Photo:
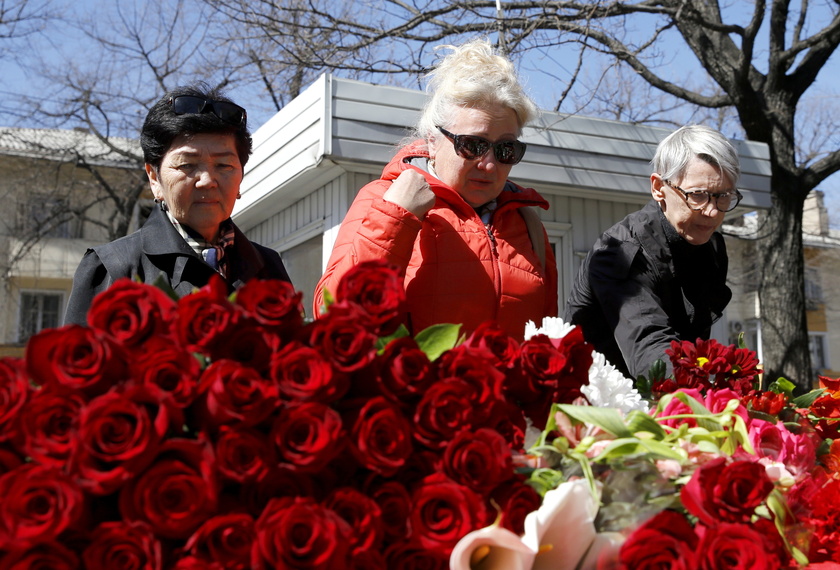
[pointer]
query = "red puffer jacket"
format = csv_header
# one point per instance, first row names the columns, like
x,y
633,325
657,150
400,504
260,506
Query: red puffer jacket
x,y
456,269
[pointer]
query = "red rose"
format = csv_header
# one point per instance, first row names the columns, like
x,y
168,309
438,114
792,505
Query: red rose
x,y
665,541
307,436
132,312
225,539
302,374
342,339
299,533
508,420
9,460
381,437
75,356
121,544
246,342
721,492
45,555
395,505
377,288
49,424
243,455
39,503
278,482
491,337
14,392
272,303
739,547
475,367
407,556
575,373
479,459
405,372
362,514
177,493
206,317
170,367
194,563
541,365
233,392
443,512
119,435
445,409
516,500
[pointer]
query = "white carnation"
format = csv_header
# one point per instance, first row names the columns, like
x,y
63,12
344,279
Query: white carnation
x,y
608,388
552,327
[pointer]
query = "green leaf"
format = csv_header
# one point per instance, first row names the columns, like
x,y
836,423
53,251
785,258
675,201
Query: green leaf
x,y
164,286
782,386
383,341
638,421
437,339
805,400
328,300
608,419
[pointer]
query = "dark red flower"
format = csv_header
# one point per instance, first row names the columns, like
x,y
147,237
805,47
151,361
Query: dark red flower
x,y
272,303
177,493
243,455
665,541
119,435
395,505
226,540
232,392
307,436
444,511
133,312
206,318
50,423
726,492
375,286
121,544
48,555
171,368
38,504
732,546
516,501
409,556
77,357
341,337
14,392
765,401
381,437
362,514
697,363
405,372
303,375
491,337
479,459
300,533
445,409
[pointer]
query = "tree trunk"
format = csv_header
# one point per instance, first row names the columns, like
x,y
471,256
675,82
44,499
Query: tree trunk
x,y
781,292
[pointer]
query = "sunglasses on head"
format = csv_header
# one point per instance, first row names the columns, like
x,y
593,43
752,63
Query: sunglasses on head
x,y
190,105
472,147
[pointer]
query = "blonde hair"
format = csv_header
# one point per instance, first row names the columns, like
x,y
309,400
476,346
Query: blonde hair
x,y
472,76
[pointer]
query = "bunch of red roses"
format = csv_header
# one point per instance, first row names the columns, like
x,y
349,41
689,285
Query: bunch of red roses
x,y
217,432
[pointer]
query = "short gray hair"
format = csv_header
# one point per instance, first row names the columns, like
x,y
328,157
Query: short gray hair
x,y
472,76
695,141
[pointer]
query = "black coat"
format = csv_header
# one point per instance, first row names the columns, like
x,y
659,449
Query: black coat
x,y
639,288
158,250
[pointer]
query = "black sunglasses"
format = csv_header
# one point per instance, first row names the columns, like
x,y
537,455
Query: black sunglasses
x,y
190,105
472,147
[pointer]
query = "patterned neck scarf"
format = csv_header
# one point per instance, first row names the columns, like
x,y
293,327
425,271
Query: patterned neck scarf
x,y
212,253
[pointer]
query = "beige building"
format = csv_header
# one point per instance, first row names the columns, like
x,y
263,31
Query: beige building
x,y
822,292
62,192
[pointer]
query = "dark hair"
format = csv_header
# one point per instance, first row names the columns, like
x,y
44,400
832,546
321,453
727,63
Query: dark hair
x,y
162,125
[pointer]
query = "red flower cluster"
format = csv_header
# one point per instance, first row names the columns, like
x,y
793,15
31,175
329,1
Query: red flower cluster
x,y
723,497
706,364
216,433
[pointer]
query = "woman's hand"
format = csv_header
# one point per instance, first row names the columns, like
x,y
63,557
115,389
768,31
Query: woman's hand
x,y
411,191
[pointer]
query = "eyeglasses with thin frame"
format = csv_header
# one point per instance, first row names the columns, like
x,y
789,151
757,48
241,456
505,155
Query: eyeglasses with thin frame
x,y
472,147
228,112
697,199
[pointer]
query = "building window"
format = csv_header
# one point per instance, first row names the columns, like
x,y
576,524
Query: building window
x,y
45,216
38,311
819,351
813,289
